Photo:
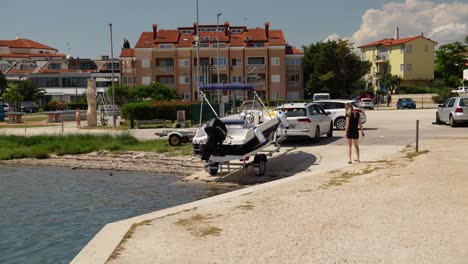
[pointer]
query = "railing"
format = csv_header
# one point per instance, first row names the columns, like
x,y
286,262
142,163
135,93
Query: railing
x,y
256,67
293,84
381,57
127,70
293,67
219,67
165,68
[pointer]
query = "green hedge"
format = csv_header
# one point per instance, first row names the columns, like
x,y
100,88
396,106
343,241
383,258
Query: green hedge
x,y
74,106
418,90
442,96
166,110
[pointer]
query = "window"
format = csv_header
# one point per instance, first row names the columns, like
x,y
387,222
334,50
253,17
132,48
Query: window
x,y
145,63
252,78
409,67
186,96
275,61
85,66
402,49
129,80
166,46
219,61
313,110
114,65
145,80
236,62
256,60
204,45
221,45
293,61
184,79
402,67
275,78
74,82
257,44
237,79
55,66
409,49
183,63
236,30
451,103
294,112
296,77
275,95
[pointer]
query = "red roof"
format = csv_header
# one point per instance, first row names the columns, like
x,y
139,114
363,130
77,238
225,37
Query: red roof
x,y
31,55
24,43
390,42
290,50
127,53
275,37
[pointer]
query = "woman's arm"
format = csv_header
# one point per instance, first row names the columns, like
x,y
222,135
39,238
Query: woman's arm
x,y
347,125
360,126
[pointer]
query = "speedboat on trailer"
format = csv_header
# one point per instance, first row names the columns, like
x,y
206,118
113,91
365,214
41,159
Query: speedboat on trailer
x,y
240,134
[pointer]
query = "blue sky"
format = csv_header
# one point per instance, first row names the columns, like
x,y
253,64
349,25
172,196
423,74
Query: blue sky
x,y
84,23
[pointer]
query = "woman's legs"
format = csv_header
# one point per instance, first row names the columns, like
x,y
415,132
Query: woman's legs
x,y
350,145
356,146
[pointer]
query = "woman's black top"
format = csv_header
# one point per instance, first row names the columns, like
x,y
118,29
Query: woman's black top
x,y
353,128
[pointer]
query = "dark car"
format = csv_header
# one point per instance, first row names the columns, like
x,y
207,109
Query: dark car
x,y
29,107
406,103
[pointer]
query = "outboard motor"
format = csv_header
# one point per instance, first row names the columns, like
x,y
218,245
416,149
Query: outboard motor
x,y
216,131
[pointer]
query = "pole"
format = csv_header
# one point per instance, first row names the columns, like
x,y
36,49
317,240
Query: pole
x,y
76,94
197,39
217,53
112,81
417,135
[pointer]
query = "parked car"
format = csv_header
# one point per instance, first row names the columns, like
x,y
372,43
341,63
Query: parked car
x,y
29,107
454,110
403,103
461,89
307,120
370,95
366,103
320,96
338,112
6,107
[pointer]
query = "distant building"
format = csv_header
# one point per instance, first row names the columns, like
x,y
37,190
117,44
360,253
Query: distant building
x,y
257,56
63,77
411,58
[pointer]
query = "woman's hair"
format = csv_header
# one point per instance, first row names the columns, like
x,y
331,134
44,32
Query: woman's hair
x,y
349,109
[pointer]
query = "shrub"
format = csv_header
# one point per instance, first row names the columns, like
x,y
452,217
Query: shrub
x,y
54,106
443,95
74,106
166,110
417,90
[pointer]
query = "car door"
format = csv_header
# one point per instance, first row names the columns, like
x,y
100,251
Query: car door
x,y
444,111
315,118
324,119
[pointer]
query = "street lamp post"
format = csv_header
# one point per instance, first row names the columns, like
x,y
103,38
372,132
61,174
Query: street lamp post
x,y
197,41
217,52
112,81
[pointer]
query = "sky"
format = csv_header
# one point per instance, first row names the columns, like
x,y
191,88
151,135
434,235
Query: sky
x,y
83,24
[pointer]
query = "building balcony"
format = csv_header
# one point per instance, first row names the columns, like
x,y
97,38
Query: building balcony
x,y
219,67
381,58
128,70
293,84
256,67
165,69
294,67
260,85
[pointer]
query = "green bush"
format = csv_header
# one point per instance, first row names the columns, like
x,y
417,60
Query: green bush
x,y
418,90
166,110
443,95
54,106
74,106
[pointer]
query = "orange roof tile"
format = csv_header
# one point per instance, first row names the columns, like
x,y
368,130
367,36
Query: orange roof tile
x,y
127,53
390,42
167,36
24,43
145,40
30,55
186,40
290,50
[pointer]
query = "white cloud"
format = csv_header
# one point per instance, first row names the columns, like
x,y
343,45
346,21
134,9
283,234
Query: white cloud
x,y
332,37
444,23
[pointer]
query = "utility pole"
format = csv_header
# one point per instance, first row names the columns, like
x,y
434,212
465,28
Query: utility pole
x,y
197,41
217,53
112,81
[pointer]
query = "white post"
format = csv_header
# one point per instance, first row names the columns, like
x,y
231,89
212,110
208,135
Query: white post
x,y
197,41
112,81
217,53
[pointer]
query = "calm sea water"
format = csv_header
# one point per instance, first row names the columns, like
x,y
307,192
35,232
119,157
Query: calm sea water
x,y
48,214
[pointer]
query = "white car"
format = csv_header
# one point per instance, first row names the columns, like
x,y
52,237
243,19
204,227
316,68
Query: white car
x,y
461,89
454,110
307,120
338,112
366,103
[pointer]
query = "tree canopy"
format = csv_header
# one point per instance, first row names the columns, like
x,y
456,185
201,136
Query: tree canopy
x,y
390,81
30,91
332,67
3,83
156,91
450,62
126,44
13,96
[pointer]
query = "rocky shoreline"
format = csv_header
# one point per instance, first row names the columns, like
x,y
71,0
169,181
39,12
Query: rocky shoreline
x,y
137,161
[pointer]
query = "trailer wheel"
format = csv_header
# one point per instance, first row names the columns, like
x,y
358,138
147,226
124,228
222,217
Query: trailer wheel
x,y
259,164
213,169
174,140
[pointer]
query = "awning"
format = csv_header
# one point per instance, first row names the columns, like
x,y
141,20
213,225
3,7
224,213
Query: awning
x,y
226,86
65,91
106,79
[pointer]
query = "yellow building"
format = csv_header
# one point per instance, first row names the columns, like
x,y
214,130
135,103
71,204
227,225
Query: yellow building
x,y
410,58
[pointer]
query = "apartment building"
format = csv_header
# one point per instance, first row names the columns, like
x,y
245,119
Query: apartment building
x,y
62,77
256,56
411,58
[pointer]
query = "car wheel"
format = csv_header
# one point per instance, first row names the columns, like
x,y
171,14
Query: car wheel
x,y
452,121
438,121
340,123
330,133
174,140
317,135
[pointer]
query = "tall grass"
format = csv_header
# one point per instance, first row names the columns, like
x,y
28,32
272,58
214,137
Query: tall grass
x,y
15,147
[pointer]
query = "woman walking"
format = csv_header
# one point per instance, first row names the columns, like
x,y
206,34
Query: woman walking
x,y
353,124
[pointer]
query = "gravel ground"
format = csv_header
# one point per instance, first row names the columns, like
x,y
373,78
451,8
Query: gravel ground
x,y
400,210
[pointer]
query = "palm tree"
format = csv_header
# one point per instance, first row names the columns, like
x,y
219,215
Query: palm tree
x,y
30,91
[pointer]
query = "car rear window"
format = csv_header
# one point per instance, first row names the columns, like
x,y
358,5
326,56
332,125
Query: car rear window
x,y
367,100
294,111
463,102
